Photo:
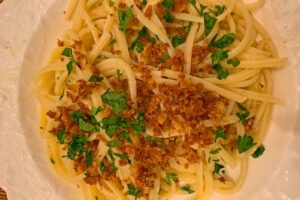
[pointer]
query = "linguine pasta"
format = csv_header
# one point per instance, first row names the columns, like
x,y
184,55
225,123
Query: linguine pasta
x,y
151,99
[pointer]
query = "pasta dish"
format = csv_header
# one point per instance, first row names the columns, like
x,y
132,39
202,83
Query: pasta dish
x,y
153,99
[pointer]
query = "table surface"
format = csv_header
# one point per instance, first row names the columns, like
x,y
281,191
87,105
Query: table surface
x,y
2,193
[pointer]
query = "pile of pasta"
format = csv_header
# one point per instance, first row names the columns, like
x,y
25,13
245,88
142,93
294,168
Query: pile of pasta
x,y
154,99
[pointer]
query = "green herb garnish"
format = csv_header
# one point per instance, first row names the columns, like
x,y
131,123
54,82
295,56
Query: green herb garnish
x,y
245,143
259,151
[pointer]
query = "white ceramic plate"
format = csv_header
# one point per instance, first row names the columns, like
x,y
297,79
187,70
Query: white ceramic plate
x,y
24,168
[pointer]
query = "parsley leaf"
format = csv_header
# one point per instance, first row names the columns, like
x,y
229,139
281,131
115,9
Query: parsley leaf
x,y
124,17
123,156
167,17
168,4
52,161
133,191
222,74
68,53
95,111
119,74
193,2
187,189
88,158
261,85
103,168
125,135
242,116
234,63
114,41
76,146
76,116
187,28
87,127
259,151
154,139
62,95
219,56
95,79
209,159
171,176
87,174
224,41
114,143
165,58
218,167
61,136
137,43
116,101
112,125
220,134
219,10
209,23
138,125
111,3
216,151
177,40
144,2
245,143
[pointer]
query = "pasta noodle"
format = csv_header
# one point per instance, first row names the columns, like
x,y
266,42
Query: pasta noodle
x,y
150,100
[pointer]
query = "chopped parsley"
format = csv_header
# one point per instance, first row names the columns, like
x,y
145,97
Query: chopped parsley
x,y
95,111
225,41
186,29
68,53
62,95
87,127
167,17
233,62
261,85
95,79
144,2
125,135
219,10
137,43
216,151
168,4
76,116
165,58
171,176
76,146
154,139
259,151
242,115
96,198
177,40
103,168
116,101
209,159
200,12
123,156
218,167
138,124
114,41
52,161
245,143
112,125
219,56
119,74
61,136
133,191
124,17
222,74
88,158
209,23
114,143
187,189
87,174
220,134
111,3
